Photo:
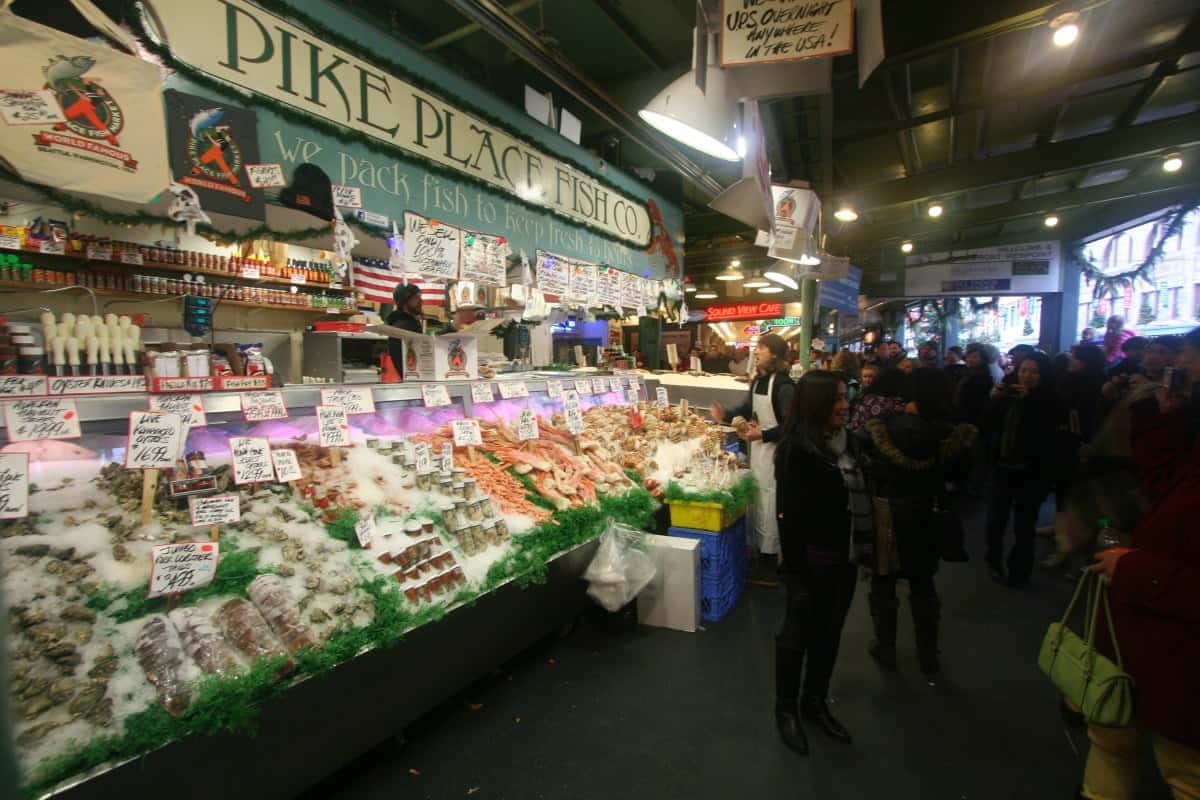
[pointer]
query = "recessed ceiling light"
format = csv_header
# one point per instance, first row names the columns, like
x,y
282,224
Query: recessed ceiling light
x,y
1050,221
907,247
936,210
735,263
846,214
1066,29
1173,162
770,289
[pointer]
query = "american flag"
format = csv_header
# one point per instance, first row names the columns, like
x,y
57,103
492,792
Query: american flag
x,y
376,280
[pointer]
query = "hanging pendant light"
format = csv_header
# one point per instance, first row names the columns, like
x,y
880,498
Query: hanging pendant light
x,y
768,289
706,293
732,272
783,273
756,281
700,119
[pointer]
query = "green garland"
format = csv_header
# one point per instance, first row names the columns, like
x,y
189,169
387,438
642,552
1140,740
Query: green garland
x,y
349,136
1111,284
733,501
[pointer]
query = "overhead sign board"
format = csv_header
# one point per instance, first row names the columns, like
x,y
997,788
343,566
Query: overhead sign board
x,y
767,31
1031,268
743,311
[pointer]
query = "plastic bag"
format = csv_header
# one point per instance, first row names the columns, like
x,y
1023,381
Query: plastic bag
x,y
621,567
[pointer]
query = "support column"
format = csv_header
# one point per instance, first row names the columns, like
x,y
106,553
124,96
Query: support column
x,y
808,318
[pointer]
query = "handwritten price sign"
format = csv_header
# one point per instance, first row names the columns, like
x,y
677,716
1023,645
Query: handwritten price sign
x,y
527,425
482,392
14,485
614,385
423,458
466,433
583,386
447,457
181,567
190,407
22,385
660,397
631,396
262,406
554,388
333,426
573,412
599,386
287,466
435,394
511,389
155,440
216,509
356,399
347,196
364,529
33,420
265,176
251,459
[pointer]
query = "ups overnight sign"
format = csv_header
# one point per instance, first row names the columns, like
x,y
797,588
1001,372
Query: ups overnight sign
x,y
243,45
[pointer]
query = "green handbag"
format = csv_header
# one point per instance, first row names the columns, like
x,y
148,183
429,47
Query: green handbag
x,y
1102,690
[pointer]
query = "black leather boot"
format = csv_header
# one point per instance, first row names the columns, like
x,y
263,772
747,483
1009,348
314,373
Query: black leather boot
x,y
926,611
790,731
883,615
817,712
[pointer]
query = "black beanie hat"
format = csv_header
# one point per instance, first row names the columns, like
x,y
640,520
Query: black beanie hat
x,y
311,191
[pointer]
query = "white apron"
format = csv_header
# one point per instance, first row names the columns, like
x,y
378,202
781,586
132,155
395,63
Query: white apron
x,y
762,464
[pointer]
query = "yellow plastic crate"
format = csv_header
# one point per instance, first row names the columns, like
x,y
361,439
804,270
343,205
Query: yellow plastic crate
x,y
700,516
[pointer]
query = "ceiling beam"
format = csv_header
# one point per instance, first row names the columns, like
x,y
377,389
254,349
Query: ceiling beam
x,y
463,31
1165,69
631,35
526,44
1147,139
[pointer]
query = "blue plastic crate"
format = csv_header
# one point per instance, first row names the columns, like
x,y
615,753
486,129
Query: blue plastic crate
x,y
722,567
719,596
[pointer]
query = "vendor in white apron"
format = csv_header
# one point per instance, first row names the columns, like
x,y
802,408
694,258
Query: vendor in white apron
x,y
765,409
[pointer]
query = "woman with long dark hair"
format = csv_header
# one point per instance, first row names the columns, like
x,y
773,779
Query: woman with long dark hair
x,y
825,528
910,458
1024,417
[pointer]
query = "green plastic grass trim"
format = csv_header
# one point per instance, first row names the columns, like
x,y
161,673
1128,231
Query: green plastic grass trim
x,y
733,501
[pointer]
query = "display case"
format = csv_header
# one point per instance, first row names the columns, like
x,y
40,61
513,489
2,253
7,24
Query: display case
x,y
326,582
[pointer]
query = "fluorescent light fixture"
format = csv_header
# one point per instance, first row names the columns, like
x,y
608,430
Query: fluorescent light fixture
x,y
689,287
1172,162
846,214
706,294
783,273
756,281
1066,35
701,120
741,146
770,289
906,247
731,273
1051,221
936,210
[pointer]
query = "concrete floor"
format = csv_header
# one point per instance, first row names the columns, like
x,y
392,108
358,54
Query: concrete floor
x,y
661,714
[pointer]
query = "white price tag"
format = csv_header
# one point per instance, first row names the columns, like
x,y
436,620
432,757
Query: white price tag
x,y
251,457
14,485
635,384
216,509
482,392
188,406
467,433
614,385
527,425
261,406
355,399
447,457
251,273
573,412
287,466
364,529
10,241
583,386
435,394
599,386
423,458
660,397
155,440
265,176
298,279
347,196
31,420
49,247
554,388
99,252
333,426
511,389
631,396
22,385
131,257
181,567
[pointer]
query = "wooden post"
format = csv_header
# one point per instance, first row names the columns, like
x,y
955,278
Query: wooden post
x,y
149,486
214,534
335,456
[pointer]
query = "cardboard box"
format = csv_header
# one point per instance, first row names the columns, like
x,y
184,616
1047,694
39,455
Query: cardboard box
x,y
672,598
449,357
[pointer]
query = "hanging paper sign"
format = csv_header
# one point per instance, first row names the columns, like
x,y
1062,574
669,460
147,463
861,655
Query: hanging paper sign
x,y
511,389
527,425
14,485
190,408
99,252
287,466
37,107
155,440
631,286
614,385
484,259
482,392
660,397
265,176
261,406
182,567
581,287
251,457
573,412
554,388
631,396
552,272
422,458
599,386
431,248
608,286
583,386
364,530
217,509
347,196
333,427
355,399
31,420
467,433
784,30
447,457
185,208
210,145
435,394
22,385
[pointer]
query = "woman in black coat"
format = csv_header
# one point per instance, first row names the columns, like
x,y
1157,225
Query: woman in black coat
x,y
822,501
1024,418
910,456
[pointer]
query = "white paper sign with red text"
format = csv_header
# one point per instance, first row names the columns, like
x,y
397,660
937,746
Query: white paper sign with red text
x,y
183,566
333,426
287,466
188,406
155,440
251,459
34,420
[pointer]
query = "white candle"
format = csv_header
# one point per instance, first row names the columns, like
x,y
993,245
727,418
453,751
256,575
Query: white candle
x,y
97,321
124,321
93,348
73,352
58,345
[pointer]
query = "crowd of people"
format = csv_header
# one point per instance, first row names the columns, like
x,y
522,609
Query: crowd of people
x,y
872,457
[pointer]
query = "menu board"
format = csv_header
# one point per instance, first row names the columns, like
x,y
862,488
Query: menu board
x,y
608,286
552,273
431,248
484,258
581,287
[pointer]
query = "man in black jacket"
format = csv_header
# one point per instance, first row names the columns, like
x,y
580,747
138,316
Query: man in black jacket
x,y
406,317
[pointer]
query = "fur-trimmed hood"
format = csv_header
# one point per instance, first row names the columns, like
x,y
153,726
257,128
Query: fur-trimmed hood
x,y
960,439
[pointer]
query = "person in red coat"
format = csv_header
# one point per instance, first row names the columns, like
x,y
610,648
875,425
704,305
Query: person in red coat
x,y
1155,598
